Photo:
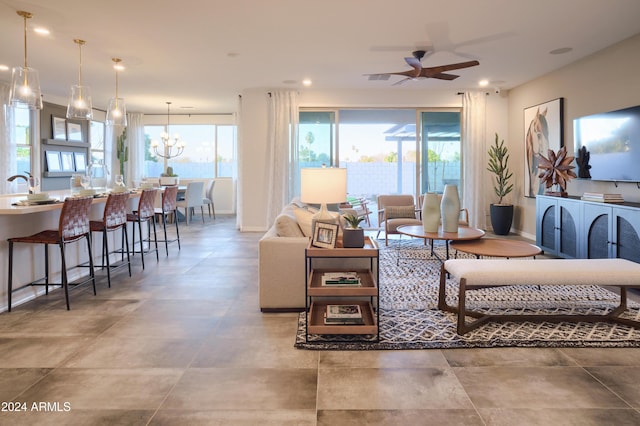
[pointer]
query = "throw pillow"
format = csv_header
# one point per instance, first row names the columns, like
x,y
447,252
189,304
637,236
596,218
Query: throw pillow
x,y
286,226
393,212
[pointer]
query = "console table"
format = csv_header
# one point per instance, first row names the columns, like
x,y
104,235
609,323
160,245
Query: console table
x,y
572,228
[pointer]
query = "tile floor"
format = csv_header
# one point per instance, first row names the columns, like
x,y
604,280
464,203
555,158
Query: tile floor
x,y
184,343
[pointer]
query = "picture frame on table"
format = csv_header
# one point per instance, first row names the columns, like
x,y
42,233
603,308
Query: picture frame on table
x,y
80,161
74,132
53,161
59,128
543,130
66,158
325,235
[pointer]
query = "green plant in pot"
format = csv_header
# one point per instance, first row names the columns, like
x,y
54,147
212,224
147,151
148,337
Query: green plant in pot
x,y
501,213
168,177
353,235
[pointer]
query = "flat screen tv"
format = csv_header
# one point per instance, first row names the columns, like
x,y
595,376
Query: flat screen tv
x,y
611,143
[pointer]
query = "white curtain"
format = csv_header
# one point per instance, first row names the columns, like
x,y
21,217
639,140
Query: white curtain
x,y
282,142
474,157
7,142
134,168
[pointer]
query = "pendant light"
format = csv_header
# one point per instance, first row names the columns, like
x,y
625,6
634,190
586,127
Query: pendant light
x,y
117,111
25,83
80,107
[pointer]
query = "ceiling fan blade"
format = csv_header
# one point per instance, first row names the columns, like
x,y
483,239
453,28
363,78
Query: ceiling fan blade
x,y
398,83
430,71
444,76
410,73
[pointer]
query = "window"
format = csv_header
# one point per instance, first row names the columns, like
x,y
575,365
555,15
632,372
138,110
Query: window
x,y
209,151
22,137
96,138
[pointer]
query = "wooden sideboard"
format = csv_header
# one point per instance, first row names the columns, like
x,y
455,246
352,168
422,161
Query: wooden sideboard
x,y
572,228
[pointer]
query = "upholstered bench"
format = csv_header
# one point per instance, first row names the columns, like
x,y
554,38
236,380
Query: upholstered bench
x,y
478,273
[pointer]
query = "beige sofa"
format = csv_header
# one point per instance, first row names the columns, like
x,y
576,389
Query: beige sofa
x,y
282,259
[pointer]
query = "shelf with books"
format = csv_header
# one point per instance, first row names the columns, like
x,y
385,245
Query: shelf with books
x,y
318,324
342,279
367,286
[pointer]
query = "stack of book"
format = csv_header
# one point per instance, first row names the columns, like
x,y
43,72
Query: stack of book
x,y
341,279
343,315
602,198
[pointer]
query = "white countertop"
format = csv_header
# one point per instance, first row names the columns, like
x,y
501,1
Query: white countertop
x,y
7,201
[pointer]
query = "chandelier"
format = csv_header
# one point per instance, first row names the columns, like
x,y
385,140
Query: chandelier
x,y
171,147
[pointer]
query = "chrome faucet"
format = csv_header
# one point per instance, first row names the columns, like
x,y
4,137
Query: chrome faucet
x,y
14,177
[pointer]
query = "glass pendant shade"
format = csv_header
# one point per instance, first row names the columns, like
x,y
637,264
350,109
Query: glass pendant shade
x,y
25,88
116,113
80,107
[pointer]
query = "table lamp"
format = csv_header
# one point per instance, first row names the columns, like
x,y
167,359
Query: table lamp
x,y
323,185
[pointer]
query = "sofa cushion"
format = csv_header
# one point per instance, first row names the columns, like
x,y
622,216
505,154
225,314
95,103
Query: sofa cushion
x,y
286,226
305,220
392,212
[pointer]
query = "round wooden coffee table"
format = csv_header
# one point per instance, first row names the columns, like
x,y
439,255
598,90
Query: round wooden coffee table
x,y
497,247
464,233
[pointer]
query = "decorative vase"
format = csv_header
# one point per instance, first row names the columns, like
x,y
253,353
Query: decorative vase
x,y
430,212
450,208
353,238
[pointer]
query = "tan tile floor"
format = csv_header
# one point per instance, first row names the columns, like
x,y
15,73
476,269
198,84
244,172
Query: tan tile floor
x,y
184,343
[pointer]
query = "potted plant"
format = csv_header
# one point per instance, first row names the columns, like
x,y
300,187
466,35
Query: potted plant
x,y
501,213
168,177
353,235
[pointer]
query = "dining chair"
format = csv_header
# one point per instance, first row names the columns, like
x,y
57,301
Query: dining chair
x,y
73,226
208,200
145,213
169,207
113,219
192,199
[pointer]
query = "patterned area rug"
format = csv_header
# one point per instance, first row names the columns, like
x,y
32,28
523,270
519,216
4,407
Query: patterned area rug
x,y
410,319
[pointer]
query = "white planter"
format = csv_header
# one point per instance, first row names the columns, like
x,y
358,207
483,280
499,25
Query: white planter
x,y
169,180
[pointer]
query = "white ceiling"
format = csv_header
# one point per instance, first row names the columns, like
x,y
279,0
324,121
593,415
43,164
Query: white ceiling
x,y
204,53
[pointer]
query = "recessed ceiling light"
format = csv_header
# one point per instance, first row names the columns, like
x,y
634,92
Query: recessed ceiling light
x,y
4,68
561,50
306,82
483,83
41,31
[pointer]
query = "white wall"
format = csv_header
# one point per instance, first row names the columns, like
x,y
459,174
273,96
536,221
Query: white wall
x,y
252,135
605,81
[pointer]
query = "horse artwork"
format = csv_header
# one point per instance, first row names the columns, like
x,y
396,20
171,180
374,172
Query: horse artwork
x,y
537,143
543,124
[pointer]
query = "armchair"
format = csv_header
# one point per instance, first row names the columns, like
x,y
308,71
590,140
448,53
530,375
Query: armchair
x,y
395,211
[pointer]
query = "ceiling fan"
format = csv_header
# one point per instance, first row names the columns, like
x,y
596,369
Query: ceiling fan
x,y
419,71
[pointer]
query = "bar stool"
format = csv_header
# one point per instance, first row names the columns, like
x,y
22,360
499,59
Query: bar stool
x,y
114,218
73,226
145,213
169,206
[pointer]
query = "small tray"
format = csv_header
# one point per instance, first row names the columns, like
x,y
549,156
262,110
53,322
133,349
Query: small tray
x,y
36,202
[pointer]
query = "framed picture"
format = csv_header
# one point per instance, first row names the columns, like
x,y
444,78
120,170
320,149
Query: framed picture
x,y
74,132
80,161
543,130
67,161
53,161
59,128
325,235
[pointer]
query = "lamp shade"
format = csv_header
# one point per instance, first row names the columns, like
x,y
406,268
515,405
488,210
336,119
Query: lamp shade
x,y
25,88
116,113
323,185
79,106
